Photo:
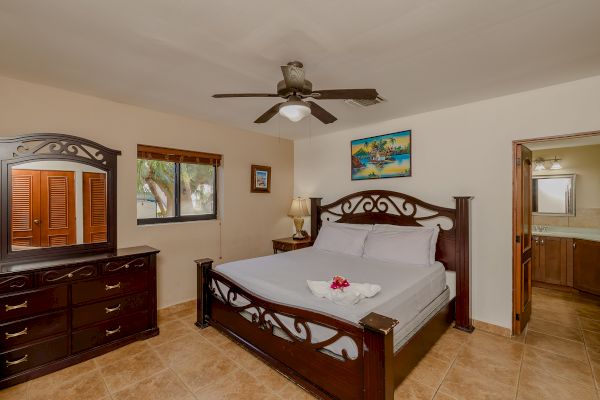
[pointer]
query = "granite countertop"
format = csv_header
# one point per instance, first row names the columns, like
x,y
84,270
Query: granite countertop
x,y
567,232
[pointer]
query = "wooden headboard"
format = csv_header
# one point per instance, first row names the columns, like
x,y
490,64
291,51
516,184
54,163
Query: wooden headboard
x,y
388,207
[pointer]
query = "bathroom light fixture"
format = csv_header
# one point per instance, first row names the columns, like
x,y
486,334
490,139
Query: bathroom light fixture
x,y
540,164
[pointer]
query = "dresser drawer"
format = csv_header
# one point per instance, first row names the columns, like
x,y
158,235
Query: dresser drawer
x,y
31,356
123,265
108,331
27,330
12,283
109,286
65,275
32,302
97,312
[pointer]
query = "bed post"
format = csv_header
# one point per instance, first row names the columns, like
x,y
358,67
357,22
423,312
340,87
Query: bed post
x,y
315,216
204,265
378,356
463,265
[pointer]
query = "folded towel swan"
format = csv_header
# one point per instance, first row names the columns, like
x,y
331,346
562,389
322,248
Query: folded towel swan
x,y
347,297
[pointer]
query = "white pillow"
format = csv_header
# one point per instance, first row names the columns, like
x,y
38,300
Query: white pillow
x,y
341,239
408,246
435,230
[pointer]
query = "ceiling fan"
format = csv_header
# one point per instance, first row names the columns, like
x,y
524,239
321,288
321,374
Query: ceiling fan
x,y
295,88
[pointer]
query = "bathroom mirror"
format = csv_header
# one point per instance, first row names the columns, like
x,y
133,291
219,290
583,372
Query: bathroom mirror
x,y
554,195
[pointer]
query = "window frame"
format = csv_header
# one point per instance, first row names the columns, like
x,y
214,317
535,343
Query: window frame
x,y
178,217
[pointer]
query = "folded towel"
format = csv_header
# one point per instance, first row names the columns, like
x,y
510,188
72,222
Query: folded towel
x,y
347,297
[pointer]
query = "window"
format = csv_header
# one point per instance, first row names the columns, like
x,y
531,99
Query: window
x,y
175,185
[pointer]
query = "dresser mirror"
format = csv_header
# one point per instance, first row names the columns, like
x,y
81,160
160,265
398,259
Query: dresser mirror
x,y
56,203
58,196
554,195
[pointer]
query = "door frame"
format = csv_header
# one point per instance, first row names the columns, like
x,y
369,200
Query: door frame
x,y
515,267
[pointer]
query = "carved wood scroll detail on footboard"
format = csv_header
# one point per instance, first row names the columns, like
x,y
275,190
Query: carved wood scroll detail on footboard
x,y
317,350
287,323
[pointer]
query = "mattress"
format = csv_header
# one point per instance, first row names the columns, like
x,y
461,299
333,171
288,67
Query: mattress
x,y
410,293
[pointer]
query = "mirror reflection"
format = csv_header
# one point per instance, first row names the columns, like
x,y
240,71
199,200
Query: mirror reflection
x,y
554,194
57,203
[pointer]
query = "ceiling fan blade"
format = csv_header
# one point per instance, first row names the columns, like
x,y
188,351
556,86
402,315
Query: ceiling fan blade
x,y
270,113
320,113
293,76
225,95
343,94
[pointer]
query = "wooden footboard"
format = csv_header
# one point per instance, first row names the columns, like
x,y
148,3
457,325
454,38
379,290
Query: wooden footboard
x,y
298,342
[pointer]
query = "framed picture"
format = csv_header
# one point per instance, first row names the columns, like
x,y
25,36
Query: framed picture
x,y
383,156
260,179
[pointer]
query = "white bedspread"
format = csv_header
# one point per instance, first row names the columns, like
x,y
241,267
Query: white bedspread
x,y
405,289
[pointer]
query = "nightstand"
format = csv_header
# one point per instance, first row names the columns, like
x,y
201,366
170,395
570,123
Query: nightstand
x,y
289,244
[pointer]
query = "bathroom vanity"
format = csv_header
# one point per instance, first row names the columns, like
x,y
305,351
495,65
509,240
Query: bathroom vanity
x,y
567,258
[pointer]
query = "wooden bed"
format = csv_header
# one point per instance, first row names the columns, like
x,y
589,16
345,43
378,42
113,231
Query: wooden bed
x,y
377,370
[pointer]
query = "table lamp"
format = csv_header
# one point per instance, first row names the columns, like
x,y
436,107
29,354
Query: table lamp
x,y
298,211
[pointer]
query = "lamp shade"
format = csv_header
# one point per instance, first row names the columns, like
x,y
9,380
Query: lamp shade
x,y
298,208
294,110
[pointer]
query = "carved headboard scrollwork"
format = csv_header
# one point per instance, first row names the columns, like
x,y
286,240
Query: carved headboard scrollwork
x,y
394,208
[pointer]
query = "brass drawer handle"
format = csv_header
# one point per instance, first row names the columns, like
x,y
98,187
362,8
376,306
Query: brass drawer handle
x,y
109,332
19,361
22,305
109,310
126,266
110,287
16,334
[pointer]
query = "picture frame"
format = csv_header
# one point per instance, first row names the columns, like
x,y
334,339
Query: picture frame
x,y
260,179
382,156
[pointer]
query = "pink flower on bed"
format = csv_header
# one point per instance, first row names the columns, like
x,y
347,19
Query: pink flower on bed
x,y
339,282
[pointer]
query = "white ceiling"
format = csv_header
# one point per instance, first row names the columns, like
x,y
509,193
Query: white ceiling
x,y
171,55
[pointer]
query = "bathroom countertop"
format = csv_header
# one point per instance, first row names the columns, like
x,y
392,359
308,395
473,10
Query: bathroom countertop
x,y
567,232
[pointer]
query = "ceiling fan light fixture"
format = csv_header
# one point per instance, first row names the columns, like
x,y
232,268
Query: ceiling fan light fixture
x,y
294,110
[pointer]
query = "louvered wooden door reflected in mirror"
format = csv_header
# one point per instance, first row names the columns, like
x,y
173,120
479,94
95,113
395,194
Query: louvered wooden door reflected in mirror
x,y
94,207
25,206
57,208
43,208
57,203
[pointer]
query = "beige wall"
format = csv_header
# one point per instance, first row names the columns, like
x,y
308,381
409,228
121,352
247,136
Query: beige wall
x,y
585,162
465,150
249,221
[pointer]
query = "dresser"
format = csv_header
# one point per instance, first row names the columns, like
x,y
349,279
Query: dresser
x,y
58,313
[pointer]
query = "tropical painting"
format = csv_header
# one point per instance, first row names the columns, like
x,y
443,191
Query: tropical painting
x,y
384,156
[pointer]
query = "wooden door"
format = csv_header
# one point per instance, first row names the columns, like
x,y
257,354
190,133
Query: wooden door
x,y
57,208
25,208
538,272
586,266
523,242
553,254
94,208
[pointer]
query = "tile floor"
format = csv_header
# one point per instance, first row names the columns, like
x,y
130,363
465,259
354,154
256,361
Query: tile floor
x,y
558,358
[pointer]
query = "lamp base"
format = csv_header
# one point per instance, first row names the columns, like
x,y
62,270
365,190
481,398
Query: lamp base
x,y
298,224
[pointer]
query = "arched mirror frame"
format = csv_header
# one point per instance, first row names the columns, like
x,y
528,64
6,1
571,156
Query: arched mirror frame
x,y
56,146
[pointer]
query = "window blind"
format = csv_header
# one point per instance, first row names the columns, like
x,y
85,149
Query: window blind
x,y
174,155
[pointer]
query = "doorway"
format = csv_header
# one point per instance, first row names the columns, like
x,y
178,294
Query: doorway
x,y
544,260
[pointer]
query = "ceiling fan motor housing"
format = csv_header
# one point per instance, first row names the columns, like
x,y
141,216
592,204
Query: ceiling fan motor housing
x,y
284,91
